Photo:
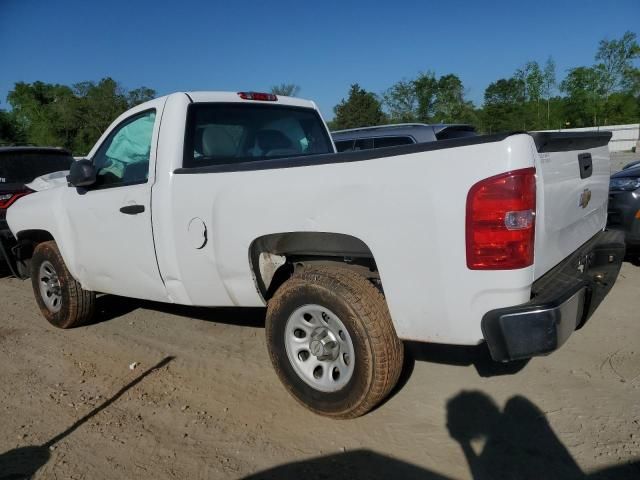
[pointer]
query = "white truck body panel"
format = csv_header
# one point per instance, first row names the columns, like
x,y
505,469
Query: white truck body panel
x,y
563,224
409,209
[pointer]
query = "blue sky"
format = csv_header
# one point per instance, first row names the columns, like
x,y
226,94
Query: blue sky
x,y
323,46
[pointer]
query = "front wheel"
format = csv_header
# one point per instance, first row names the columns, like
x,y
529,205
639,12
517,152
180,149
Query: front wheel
x,y
332,341
60,297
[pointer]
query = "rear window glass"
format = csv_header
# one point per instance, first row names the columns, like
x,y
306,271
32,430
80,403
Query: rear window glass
x,y
455,132
221,133
344,145
364,144
382,142
24,166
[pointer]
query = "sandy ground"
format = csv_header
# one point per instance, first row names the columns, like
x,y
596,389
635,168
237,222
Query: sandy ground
x,y
72,408
620,159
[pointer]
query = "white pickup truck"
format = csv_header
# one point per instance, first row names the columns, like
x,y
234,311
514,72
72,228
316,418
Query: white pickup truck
x,y
223,199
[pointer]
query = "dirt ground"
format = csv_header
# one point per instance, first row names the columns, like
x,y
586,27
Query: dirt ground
x,y
153,391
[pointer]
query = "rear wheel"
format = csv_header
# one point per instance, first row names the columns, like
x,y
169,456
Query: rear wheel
x,y
60,297
332,341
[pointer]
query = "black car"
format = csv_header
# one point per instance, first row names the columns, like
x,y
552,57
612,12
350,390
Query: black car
x,y
624,205
19,166
381,136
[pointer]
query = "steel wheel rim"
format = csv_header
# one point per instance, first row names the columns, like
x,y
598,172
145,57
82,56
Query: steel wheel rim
x,y
50,289
319,348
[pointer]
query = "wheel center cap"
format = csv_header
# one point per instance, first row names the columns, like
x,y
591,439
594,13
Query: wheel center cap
x,y
323,344
316,347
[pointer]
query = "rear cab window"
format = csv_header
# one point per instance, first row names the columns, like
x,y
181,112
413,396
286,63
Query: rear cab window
x,y
224,133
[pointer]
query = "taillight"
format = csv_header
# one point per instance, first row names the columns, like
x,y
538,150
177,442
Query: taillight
x,y
7,199
262,97
501,214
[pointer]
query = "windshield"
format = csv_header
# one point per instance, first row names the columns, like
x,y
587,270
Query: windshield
x,y
24,166
219,133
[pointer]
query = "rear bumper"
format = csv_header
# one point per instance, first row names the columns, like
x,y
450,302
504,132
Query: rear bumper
x,y
562,301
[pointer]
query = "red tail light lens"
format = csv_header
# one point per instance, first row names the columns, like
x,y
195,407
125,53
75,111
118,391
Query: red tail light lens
x,y
262,97
7,199
500,227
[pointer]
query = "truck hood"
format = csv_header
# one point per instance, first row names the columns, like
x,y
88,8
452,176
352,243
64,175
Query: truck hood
x,y
50,180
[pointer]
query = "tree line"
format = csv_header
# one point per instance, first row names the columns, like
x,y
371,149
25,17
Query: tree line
x,y
72,117
607,92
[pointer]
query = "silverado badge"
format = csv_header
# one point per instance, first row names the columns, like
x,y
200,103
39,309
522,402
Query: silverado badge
x,y
585,198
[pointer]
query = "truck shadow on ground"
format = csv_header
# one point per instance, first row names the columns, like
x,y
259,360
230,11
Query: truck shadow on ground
x,y
24,462
110,307
516,442
457,355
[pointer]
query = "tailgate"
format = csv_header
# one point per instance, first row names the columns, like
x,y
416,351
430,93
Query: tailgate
x,y
573,190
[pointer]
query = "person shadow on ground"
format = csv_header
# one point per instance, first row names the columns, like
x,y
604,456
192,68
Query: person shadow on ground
x,y
515,443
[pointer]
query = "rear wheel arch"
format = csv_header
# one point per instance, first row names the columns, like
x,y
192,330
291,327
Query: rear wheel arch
x,y
275,257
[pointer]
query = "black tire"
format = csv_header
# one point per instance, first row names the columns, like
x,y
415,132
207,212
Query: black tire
x,y
76,305
363,311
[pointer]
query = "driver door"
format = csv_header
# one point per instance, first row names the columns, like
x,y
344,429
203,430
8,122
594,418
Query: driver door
x,y
111,220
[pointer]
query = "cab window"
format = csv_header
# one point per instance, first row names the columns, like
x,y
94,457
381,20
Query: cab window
x,y
123,159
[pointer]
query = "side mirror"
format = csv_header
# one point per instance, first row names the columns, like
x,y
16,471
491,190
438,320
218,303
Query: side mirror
x,y
82,174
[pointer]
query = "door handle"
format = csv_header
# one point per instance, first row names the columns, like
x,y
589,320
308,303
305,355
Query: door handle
x,y
585,161
132,209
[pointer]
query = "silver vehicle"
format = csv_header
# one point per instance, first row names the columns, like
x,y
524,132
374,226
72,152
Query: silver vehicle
x,y
367,138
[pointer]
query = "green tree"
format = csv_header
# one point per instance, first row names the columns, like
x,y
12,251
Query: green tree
x,y
503,102
401,102
140,95
585,90
71,117
286,89
532,78
548,85
360,109
615,67
450,105
98,105
10,132
44,112
429,99
426,86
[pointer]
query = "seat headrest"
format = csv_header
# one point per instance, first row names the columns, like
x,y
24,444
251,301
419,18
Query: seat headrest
x,y
272,140
217,142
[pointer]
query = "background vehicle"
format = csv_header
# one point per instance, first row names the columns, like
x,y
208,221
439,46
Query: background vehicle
x,y
624,205
19,166
401,134
631,164
222,199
